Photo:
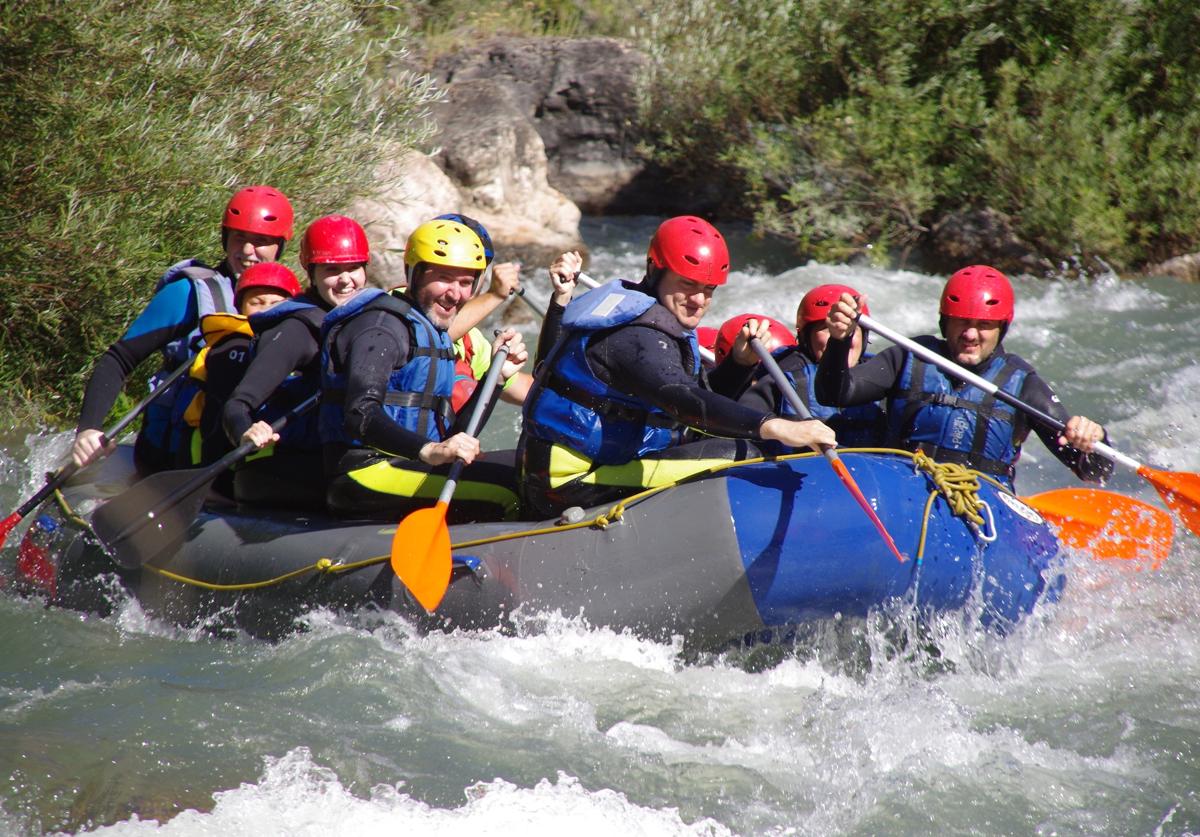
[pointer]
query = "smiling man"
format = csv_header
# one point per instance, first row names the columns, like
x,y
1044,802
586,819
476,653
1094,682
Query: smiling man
x,y
387,377
949,420
609,406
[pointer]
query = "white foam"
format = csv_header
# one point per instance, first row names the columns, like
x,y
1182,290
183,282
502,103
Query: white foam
x,y
297,797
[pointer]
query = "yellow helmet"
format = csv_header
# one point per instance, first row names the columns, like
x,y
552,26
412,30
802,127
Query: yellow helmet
x,y
446,243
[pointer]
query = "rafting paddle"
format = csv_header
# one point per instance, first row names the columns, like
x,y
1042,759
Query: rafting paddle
x,y
1107,525
421,545
1180,491
153,516
56,480
839,467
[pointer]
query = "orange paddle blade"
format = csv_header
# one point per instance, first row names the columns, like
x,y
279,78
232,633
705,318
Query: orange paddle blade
x,y
1107,525
421,555
1180,491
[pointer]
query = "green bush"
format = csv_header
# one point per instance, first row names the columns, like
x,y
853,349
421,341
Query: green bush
x,y
852,124
127,127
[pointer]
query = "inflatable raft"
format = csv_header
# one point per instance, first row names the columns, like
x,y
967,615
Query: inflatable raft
x,y
753,546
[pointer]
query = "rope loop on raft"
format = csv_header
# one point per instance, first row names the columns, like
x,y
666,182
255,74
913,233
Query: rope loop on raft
x,y
958,484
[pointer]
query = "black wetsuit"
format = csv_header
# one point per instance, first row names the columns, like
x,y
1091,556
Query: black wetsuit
x,y
173,314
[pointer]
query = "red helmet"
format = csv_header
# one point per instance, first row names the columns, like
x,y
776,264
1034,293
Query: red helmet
x,y
815,305
271,275
978,292
729,331
260,209
706,336
334,239
691,247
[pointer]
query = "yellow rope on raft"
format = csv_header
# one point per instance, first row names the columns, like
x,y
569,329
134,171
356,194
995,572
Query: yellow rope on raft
x,y
958,484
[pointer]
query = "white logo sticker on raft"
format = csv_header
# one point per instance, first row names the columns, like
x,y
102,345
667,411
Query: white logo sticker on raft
x,y
1021,508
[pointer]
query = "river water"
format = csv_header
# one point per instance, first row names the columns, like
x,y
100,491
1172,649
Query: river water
x,y
1085,720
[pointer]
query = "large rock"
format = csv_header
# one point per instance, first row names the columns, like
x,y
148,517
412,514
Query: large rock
x,y
1185,267
582,97
980,236
489,164
419,190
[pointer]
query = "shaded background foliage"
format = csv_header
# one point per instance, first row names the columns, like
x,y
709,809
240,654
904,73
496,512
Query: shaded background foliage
x,y
852,128
849,124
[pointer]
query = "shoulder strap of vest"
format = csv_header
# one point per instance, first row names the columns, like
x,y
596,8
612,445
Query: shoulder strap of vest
x,y
986,408
611,304
189,268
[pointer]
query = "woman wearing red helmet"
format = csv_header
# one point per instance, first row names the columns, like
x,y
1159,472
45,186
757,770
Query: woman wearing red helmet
x,y
285,369
610,403
256,223
949,420
863,425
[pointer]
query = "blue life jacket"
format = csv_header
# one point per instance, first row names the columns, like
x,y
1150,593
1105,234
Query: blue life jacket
x,y
301,431
860,426
162,425
418,392
967,425
571,406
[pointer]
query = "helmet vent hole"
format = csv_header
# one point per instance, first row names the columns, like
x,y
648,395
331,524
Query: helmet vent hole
x,y
690,259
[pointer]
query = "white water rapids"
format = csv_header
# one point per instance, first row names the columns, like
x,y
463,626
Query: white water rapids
x,y
1086,720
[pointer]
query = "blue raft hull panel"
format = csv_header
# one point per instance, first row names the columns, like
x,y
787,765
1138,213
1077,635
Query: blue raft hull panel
x,y
757,546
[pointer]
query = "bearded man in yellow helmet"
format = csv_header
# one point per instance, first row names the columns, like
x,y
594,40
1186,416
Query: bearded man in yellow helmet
x,y
387,377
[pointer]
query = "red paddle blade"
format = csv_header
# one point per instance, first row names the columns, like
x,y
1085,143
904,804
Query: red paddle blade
x,y
1180,491
7,526
421,555
844,473
1106,525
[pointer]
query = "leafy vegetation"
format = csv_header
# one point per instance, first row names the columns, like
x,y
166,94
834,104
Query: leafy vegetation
x,y
849,124
127,127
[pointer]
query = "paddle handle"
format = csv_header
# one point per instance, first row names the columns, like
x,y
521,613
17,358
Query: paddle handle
x,y
485,395
204,475
56,480
789,392
533,306
952,368
839,467
114,432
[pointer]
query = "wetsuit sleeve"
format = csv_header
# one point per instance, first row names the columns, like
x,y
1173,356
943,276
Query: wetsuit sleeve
x,y
551,330
763,395
171,314
378,343
871,380
648,365
280,351
730,378
1090,467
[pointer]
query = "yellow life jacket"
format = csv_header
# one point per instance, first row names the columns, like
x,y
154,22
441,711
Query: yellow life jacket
x,y
213,328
